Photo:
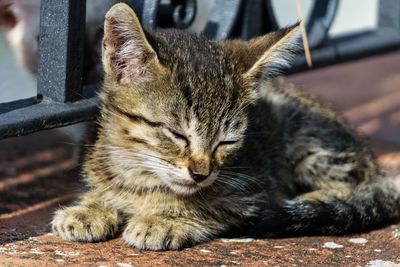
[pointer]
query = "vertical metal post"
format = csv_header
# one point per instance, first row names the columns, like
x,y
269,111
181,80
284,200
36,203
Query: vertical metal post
x,y
61,45
389,15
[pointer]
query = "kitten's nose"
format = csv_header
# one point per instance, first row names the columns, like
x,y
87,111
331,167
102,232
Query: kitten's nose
x,y
199,168
198,177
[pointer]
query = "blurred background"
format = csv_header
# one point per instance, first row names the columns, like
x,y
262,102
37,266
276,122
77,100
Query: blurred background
x,y
351,16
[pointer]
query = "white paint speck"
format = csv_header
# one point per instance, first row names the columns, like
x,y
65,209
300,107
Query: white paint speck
x,y
359,240
237,240
205,250
60,260
35,251
332,245
233,252
396,233
278,246
378,250
382,263
348,256
32,239
119,264
134,254
67,253
312,249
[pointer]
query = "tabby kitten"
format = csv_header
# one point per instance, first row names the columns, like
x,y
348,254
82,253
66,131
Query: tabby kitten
x,y
196,139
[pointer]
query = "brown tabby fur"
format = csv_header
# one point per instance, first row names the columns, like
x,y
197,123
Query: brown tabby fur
x,y
195,139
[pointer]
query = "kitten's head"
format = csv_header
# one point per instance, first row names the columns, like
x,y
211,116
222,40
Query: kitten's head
x,y
175,103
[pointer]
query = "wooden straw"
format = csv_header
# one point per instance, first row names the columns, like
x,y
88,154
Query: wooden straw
x,y
303,33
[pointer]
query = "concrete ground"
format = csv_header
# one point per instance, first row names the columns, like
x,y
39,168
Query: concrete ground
x,y
38,174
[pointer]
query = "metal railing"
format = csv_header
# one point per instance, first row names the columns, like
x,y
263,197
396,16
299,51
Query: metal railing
x,y
62,100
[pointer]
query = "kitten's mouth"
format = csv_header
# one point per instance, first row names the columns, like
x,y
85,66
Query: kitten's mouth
x,y
187,187
184,188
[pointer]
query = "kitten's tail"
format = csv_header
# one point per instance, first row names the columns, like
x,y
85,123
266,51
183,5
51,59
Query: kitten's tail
x,y
370,206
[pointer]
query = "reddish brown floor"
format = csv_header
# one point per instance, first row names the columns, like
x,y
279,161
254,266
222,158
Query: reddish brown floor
x,y
37,174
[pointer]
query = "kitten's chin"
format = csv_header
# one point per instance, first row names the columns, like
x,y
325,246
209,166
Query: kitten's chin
x,y
181,189
189,188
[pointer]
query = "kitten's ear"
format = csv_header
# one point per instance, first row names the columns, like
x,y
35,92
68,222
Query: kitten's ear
x,y
265,56
8,18
127,54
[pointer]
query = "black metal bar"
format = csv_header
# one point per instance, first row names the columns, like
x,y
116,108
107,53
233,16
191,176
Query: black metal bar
x,y
61,44
47,115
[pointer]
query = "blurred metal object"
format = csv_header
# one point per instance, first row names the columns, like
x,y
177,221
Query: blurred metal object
x,y
320,21
222,19
181,14
147,11
184,14
322,14
255,19
357,45
389,15
177,14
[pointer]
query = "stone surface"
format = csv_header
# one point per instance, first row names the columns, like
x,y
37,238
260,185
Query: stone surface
x,y
38,174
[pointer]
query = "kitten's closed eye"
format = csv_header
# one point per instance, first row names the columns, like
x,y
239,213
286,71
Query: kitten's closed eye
x,y
176,137
226,145
228,142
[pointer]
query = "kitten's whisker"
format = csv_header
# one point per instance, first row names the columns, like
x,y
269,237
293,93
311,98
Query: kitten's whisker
x,y
232,179
239,175
118,149
246,183
237,167
233,185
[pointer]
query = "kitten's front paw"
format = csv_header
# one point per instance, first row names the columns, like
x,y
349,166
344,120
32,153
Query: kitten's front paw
x,y
157,233
82,224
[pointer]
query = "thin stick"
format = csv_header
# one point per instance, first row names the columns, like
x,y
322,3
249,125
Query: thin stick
x,y
303,33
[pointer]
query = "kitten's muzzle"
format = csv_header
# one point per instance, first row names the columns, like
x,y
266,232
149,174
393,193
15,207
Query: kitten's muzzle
x,y
199,168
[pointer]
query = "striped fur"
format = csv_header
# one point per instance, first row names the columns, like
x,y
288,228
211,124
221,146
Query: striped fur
x,y
195,139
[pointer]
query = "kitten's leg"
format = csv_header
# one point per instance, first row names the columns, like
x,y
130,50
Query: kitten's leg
x,y
88,221
162,233
337,190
